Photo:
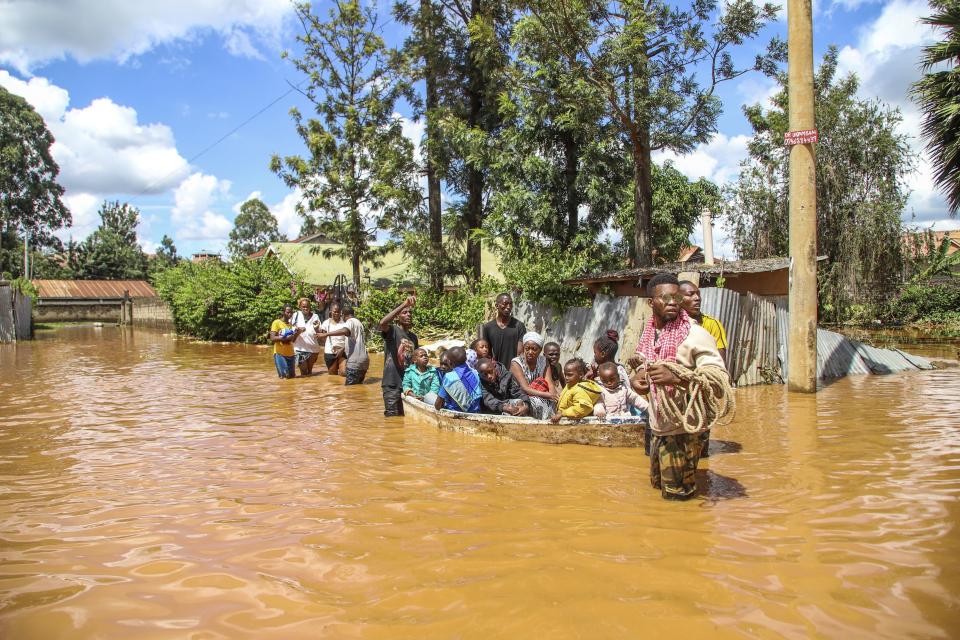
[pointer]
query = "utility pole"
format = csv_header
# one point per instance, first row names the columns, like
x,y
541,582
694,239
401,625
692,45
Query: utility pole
x,y
802,346
26,253
706,219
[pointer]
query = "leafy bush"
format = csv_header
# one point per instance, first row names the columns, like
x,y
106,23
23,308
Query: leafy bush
x,y
927,303
538,274
454,313
233,301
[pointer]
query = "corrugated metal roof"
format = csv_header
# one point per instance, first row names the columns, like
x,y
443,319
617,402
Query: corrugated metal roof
x,y
94,288
724,305
837,356
755,360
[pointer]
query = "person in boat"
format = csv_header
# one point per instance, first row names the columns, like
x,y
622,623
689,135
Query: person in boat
x,y
617,397
306,347
334,346
504,333
282,335
605,350
551,351
420,378
670,336
501,393
533,375
482,349
395,327
691,304
579,394
460,389
358,360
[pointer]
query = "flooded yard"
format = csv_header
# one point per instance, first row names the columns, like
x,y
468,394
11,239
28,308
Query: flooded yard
x,y
152,487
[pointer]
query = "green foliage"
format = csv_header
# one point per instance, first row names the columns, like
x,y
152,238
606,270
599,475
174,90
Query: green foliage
x,y
537,273
448,313
24,286
112,252
927,259
658,66
360,176
862,163
927,303
253,228
938,96
233,301
30,197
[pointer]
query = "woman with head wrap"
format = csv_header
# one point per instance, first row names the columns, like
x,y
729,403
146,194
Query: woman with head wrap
x,y
533,375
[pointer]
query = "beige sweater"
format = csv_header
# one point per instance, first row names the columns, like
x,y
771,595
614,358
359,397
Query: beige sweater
x,y
698,350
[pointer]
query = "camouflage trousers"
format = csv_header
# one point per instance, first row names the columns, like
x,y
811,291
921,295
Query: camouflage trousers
x,y
673,465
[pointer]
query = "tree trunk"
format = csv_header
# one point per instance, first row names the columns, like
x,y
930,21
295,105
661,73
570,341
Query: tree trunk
x,y
355,260
433,180
572,156
642,200
474,212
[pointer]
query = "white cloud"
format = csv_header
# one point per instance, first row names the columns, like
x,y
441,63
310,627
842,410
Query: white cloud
x,y
717,160
83,209
102,148
886,59
33,32
193,214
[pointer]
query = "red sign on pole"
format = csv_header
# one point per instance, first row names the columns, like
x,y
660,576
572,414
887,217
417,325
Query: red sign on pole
x,y
806,136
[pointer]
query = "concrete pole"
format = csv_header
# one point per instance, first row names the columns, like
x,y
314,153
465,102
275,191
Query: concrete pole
x,y
706,221
802,347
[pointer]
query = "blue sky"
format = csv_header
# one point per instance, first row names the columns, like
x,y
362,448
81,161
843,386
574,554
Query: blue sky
x,y
137,92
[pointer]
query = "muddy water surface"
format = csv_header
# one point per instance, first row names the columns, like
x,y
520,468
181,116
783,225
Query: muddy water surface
x,y
158,488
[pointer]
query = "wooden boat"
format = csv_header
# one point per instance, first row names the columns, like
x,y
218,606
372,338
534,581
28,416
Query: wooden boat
x,y
613,432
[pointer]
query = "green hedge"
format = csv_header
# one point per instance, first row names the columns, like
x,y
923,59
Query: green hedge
x,y
927,303
454,314
233,301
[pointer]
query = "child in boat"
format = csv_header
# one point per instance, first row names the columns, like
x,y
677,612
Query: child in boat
x,y
551,351
616,398
579,395
460,389
501,391
605,350
421,378
482,348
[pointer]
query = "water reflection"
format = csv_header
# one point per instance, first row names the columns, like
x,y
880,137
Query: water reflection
x,y
154,487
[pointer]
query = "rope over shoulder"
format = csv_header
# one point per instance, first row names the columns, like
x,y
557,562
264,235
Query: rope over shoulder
x,y
709,403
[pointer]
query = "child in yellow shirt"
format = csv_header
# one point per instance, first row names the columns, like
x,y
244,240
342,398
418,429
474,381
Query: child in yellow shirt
x,y
579,395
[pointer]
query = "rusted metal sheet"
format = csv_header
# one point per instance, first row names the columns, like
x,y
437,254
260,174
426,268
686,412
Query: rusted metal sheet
x,y
724,305
93,288
756,359
22,307
8,331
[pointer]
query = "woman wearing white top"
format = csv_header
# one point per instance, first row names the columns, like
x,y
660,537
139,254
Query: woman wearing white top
x,y
306,346
333,346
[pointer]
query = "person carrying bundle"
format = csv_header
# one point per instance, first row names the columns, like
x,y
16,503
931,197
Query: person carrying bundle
x,y
680,369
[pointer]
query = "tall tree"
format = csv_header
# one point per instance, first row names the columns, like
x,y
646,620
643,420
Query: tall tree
x,y
938,95
29,193
112,252
360,176
253,228
427,47
862,162
165,257
658,67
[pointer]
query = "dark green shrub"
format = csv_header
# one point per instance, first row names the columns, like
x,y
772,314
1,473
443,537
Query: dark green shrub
x,y
925,303
233,301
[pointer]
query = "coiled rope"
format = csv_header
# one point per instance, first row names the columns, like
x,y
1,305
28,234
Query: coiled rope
x,y
710,401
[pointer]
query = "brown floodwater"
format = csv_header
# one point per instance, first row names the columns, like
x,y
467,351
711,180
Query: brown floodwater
x,y
152,487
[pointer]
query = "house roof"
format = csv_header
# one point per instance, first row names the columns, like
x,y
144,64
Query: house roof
x,y
308,261
916,238
93,288
757,265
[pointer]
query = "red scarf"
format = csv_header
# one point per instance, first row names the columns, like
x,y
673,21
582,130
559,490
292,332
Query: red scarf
x,y
672,334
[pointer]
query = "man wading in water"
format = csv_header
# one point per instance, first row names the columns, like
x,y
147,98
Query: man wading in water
x,y
504,333
394,360
670,340
691,304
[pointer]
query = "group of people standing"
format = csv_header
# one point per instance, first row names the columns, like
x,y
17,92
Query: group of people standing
x,y
511,371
